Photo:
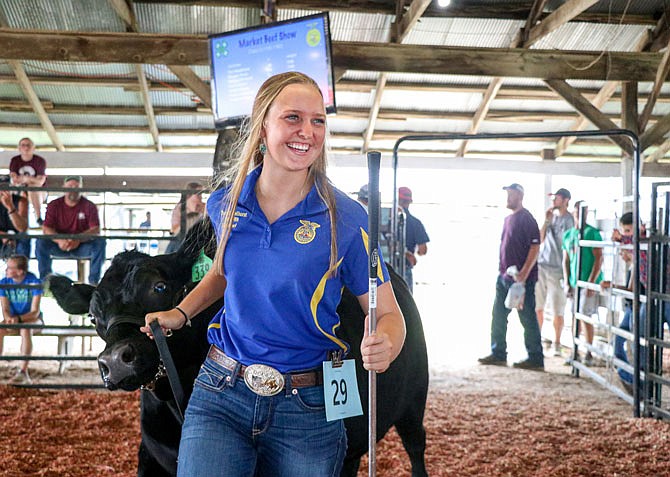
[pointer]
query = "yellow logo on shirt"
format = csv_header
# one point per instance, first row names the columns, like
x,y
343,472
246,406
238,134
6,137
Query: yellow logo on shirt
x,y
306,232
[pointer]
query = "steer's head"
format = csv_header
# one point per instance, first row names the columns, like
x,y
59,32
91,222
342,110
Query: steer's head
x,y
135,284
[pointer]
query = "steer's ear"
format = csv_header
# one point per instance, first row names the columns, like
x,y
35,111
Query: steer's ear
x,y
199,237
73,298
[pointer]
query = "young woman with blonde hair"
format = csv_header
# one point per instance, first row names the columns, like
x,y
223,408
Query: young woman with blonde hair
x,y
288,243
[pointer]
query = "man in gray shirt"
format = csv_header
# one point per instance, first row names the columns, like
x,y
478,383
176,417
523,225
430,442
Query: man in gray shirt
x,y
549,289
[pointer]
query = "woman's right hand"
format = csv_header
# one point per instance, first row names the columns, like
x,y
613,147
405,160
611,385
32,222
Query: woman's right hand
x,y
168,319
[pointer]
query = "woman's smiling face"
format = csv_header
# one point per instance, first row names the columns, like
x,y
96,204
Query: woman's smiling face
x,y
295,128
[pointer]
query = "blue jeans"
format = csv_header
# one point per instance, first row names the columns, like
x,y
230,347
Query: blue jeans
x,y
46,249
531,329
229,431
620,343
15,247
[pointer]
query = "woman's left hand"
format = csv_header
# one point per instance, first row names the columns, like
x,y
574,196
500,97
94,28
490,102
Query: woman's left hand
x,y
376,350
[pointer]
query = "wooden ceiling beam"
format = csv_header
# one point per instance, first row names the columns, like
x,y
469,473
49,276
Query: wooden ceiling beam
x,y
661,76
655,134
30,94
193,82
457,9
391,114
606,93
374,111
658,154
481,112
505,92
585,108
35,103
192,50
525,38
392,135
124,10
404,24
559,17
581,122
148,107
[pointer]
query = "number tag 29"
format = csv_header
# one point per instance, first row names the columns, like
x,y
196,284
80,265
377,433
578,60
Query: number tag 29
x,y
340,390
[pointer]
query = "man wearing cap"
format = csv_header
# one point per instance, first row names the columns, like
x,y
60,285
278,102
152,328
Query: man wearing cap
x,y
519,247
71,214
363,195
549,288
416,237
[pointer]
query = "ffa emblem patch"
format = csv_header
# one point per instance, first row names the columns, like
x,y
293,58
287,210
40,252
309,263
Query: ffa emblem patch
x,y
306,232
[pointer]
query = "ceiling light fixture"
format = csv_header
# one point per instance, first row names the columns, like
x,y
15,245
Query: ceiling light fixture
x,y
443,3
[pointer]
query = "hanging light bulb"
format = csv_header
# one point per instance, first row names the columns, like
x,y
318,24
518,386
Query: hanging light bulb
x,y
443,3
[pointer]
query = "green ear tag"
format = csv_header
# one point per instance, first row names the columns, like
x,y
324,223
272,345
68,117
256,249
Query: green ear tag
x,y
200,267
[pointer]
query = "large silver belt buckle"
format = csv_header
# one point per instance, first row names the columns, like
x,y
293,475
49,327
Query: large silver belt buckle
x,y
263,380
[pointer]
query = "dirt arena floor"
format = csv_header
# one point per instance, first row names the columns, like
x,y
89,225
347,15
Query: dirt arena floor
x,y
481,421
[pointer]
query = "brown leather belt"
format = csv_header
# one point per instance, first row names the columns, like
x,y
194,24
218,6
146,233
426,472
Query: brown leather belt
x,y
297,380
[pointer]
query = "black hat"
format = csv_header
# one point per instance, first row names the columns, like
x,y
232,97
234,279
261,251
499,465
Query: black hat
x,y
514,186
565,193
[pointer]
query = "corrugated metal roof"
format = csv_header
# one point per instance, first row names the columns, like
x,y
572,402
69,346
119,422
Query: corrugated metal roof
x,y
87,95
430,100
165,121
418,125
162,73
590,37
168,140
11,138
98,15
72,15
340,125
366,27
175,98
632,7
5,69
351,99
11,117
78,70
468,32
12,91
98,119
193,19
94,138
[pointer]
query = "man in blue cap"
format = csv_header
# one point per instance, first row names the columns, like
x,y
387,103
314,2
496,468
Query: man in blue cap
x,y
519,247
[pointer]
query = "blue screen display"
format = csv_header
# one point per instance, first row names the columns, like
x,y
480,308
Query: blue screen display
x,y
243,59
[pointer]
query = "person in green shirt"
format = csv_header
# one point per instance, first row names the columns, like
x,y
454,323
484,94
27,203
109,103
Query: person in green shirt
x,y
590,269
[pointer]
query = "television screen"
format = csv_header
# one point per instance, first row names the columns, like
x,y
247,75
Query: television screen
x,y
243,59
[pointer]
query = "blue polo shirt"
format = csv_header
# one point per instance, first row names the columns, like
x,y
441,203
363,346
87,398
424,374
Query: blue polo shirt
x,y
280,304
20,299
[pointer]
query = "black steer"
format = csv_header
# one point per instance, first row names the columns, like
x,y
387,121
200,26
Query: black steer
x,y
136,284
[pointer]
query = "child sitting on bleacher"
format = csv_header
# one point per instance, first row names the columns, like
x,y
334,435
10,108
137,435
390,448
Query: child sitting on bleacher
x,y
20,305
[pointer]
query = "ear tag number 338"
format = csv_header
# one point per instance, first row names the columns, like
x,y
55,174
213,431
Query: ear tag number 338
x,y
340,390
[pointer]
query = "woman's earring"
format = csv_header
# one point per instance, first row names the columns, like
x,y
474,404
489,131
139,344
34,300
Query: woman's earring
x,y
263,148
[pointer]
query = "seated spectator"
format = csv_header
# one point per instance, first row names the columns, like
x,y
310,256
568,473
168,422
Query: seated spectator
x,y
195,210
28,169
71,214
13,218
20,305
147,223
